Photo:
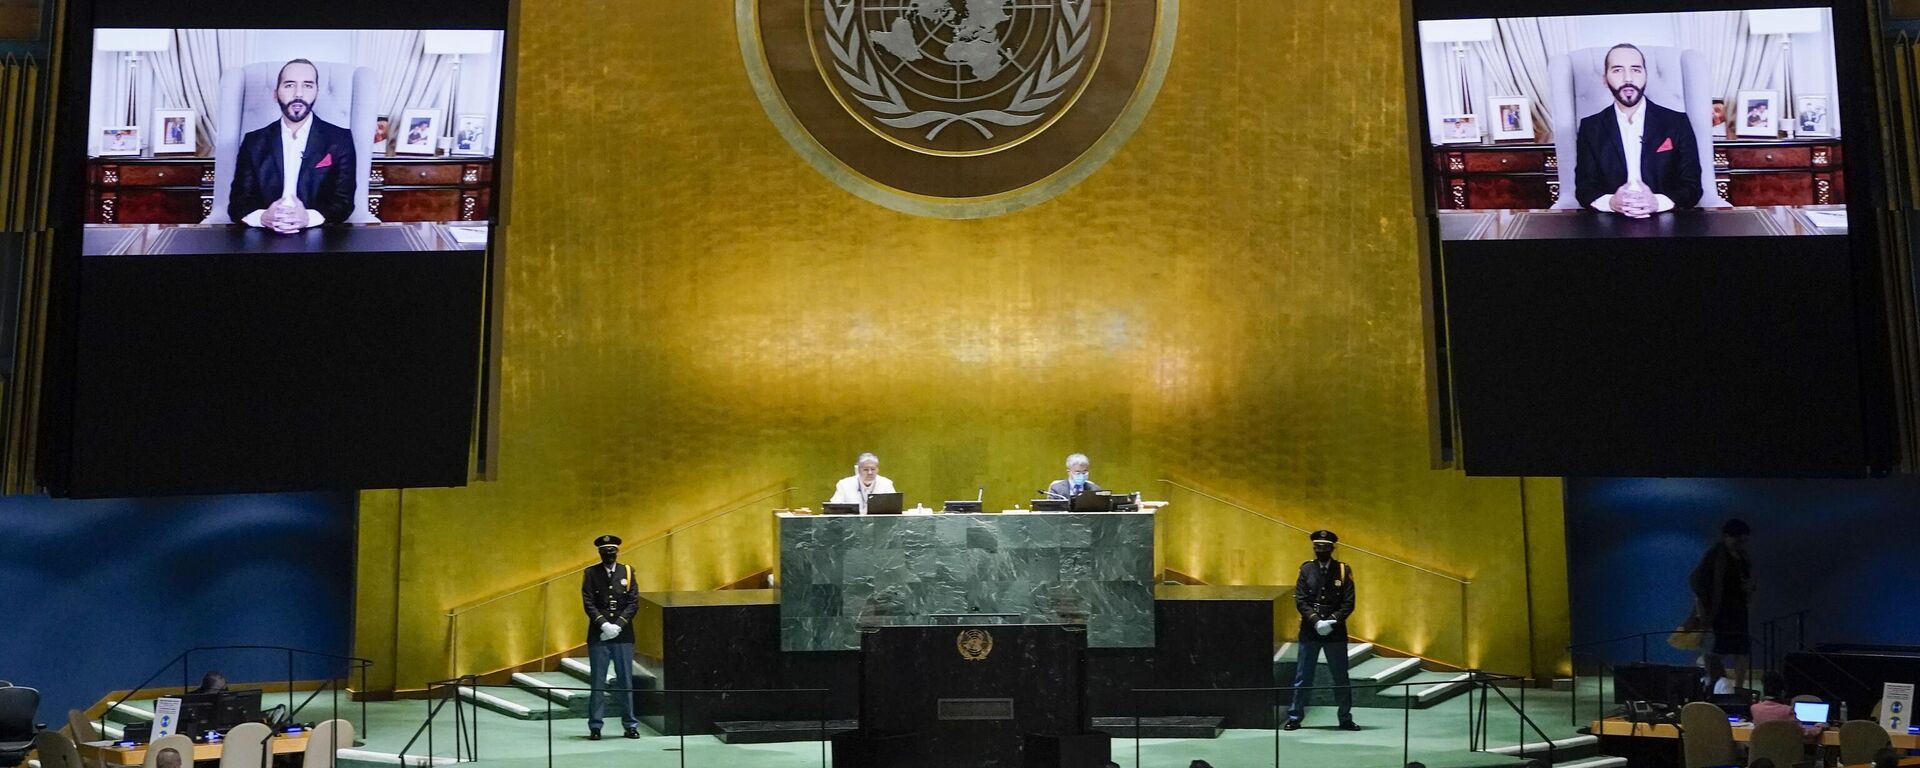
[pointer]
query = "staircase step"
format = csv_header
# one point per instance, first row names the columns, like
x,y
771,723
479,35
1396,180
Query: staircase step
x,y
1170,727
1289,652
581,667
517,703
1429,688
129,713
563,688
1564,750
1382,669
1602,761
778,731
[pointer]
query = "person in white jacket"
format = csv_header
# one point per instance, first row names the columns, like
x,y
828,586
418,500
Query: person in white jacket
x,y
866,481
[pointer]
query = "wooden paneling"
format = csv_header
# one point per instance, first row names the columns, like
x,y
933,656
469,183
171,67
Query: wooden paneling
x,y
1792,172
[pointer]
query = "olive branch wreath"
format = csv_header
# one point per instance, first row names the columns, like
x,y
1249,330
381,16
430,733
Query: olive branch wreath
x,y
1039,90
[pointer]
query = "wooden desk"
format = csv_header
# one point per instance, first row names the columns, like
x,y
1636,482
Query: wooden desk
x,y
107,754
1578,224
1904,762
1805,171
1615,726
178,189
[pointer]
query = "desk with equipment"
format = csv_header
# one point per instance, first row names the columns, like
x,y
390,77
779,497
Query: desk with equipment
x,y
111,753
1742,733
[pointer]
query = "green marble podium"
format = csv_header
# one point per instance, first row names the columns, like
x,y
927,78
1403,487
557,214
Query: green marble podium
x,y
838,573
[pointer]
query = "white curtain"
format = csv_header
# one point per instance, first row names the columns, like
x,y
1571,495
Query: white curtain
x,y
188,74
1515,62
410,78
1739,60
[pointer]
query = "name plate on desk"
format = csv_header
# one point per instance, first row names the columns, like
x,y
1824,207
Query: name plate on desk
x,y
976,709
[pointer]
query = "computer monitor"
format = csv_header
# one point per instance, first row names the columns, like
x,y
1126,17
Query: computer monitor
x,y
964,505
1049,505
197,714
1091,501
1811,712
885,503
236,707
840,507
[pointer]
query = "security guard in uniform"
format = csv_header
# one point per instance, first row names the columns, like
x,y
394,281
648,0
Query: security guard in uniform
x,y
611,598
1324,595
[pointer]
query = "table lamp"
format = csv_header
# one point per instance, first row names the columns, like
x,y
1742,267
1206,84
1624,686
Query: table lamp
x,y
132,42
1459,32
1786,22
455,43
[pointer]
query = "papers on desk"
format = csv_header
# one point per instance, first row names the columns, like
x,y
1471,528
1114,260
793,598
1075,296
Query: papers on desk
x,y
1828,219
468,235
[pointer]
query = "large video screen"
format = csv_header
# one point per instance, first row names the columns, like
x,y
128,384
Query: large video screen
x,y
291,140
1703,123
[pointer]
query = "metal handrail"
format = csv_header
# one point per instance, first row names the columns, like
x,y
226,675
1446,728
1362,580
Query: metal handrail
x,y
457,611
1257,513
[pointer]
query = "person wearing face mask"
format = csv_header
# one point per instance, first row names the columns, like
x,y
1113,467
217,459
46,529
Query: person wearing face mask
x,y
1323,593
866,481
1722,586
611,598
1077,480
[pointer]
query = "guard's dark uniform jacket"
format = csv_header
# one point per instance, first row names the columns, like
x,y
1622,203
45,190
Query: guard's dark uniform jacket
x,y
1324,593
606,599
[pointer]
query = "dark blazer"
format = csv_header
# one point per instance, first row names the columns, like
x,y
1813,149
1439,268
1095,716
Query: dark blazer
x,y
1601,164
1324,594
257,177
1065,487
606,599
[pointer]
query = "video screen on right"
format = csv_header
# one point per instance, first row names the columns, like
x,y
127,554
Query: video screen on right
x,y
1680,124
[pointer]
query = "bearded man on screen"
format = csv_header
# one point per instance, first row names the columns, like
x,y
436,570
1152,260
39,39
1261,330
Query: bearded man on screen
x,y
296,172
1635,158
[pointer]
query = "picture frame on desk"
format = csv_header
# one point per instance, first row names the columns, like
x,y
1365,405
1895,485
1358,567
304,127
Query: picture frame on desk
x,y
1458,129
381,139
1721,130
177,131
119,141
469,135
1812,115
419,132
1756,114
1512,118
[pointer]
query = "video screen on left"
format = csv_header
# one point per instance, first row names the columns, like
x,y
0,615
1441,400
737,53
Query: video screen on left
x,y
291,140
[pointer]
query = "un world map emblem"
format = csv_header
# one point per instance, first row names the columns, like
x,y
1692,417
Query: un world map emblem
x,y
956,108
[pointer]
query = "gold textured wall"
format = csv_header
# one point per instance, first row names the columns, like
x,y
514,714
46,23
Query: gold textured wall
x,y
695,318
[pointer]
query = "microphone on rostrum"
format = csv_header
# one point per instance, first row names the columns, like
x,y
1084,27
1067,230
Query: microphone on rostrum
x,y
1051,493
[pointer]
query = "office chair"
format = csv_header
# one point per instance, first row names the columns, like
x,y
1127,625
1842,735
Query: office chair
x,y
18,706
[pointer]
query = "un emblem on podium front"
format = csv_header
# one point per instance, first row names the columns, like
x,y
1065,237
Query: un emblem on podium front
x,y
974,644
956,108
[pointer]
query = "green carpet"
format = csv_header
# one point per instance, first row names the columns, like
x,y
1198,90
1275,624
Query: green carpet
x,y
1436,736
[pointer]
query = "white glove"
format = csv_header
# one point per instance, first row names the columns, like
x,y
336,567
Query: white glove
x,y
609,631
1324,627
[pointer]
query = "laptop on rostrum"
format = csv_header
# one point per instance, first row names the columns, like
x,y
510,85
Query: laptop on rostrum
x,y
885,503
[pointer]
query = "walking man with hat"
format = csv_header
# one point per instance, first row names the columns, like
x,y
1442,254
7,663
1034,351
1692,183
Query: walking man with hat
x,y
611,599
1324,595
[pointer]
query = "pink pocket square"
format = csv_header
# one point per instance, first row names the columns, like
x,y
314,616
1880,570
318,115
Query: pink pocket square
x,y
327,161
1665,146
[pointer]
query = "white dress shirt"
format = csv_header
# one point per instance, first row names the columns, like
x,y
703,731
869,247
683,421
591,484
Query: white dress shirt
x,y
293,149
850,491
1633,126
